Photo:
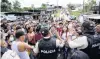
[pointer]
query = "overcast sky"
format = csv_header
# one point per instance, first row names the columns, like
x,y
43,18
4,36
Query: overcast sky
x,y
37,3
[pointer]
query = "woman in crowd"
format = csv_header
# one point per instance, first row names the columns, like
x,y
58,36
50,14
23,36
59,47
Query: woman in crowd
x,y
64,33
30,36
14,29
9,39
26,27
38,35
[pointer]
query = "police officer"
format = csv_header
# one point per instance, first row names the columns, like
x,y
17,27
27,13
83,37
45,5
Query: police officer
x,y
95,48
46,48
93,40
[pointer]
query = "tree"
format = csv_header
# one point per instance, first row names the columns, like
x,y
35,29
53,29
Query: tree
x,y
6,6
88,6
27,8
17,6
92,3
43,6
71,6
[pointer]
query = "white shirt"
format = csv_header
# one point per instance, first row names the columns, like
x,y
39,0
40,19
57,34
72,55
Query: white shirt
x,y
64,36
79,43
70,26
58,44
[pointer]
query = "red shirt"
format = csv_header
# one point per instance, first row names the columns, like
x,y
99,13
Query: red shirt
x,y
59,31
31,39
38,36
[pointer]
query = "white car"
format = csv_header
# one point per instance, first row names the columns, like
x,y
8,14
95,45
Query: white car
x,y
10,17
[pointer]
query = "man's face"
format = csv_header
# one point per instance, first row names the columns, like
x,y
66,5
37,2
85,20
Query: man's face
x,y
23,38
98,29
60,25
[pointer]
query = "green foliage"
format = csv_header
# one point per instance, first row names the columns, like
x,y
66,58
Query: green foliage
x,y
76,13
88,6
27,8
16,6
71,6
5,6
43,6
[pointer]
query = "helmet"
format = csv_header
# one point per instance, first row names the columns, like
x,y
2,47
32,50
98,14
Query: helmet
x,y
88,27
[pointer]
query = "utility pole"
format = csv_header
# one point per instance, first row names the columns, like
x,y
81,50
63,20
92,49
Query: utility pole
x,y
83,7
33,10
57,2
99,7
33,7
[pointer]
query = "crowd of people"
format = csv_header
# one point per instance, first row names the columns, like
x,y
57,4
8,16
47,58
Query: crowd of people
x,y
47,39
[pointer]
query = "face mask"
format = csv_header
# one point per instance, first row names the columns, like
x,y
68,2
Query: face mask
x,y
11,39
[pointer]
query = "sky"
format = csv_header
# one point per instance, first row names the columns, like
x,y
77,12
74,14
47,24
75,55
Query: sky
x,y
37,3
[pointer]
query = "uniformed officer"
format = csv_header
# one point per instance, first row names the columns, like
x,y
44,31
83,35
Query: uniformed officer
x,y
95,48
93,40
46,48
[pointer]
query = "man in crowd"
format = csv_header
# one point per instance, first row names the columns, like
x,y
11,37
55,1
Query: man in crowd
x,y
95,49
93,40
98,29
60,28
19,46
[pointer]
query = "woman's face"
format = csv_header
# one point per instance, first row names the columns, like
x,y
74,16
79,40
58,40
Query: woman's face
x,y
64,29
31,29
